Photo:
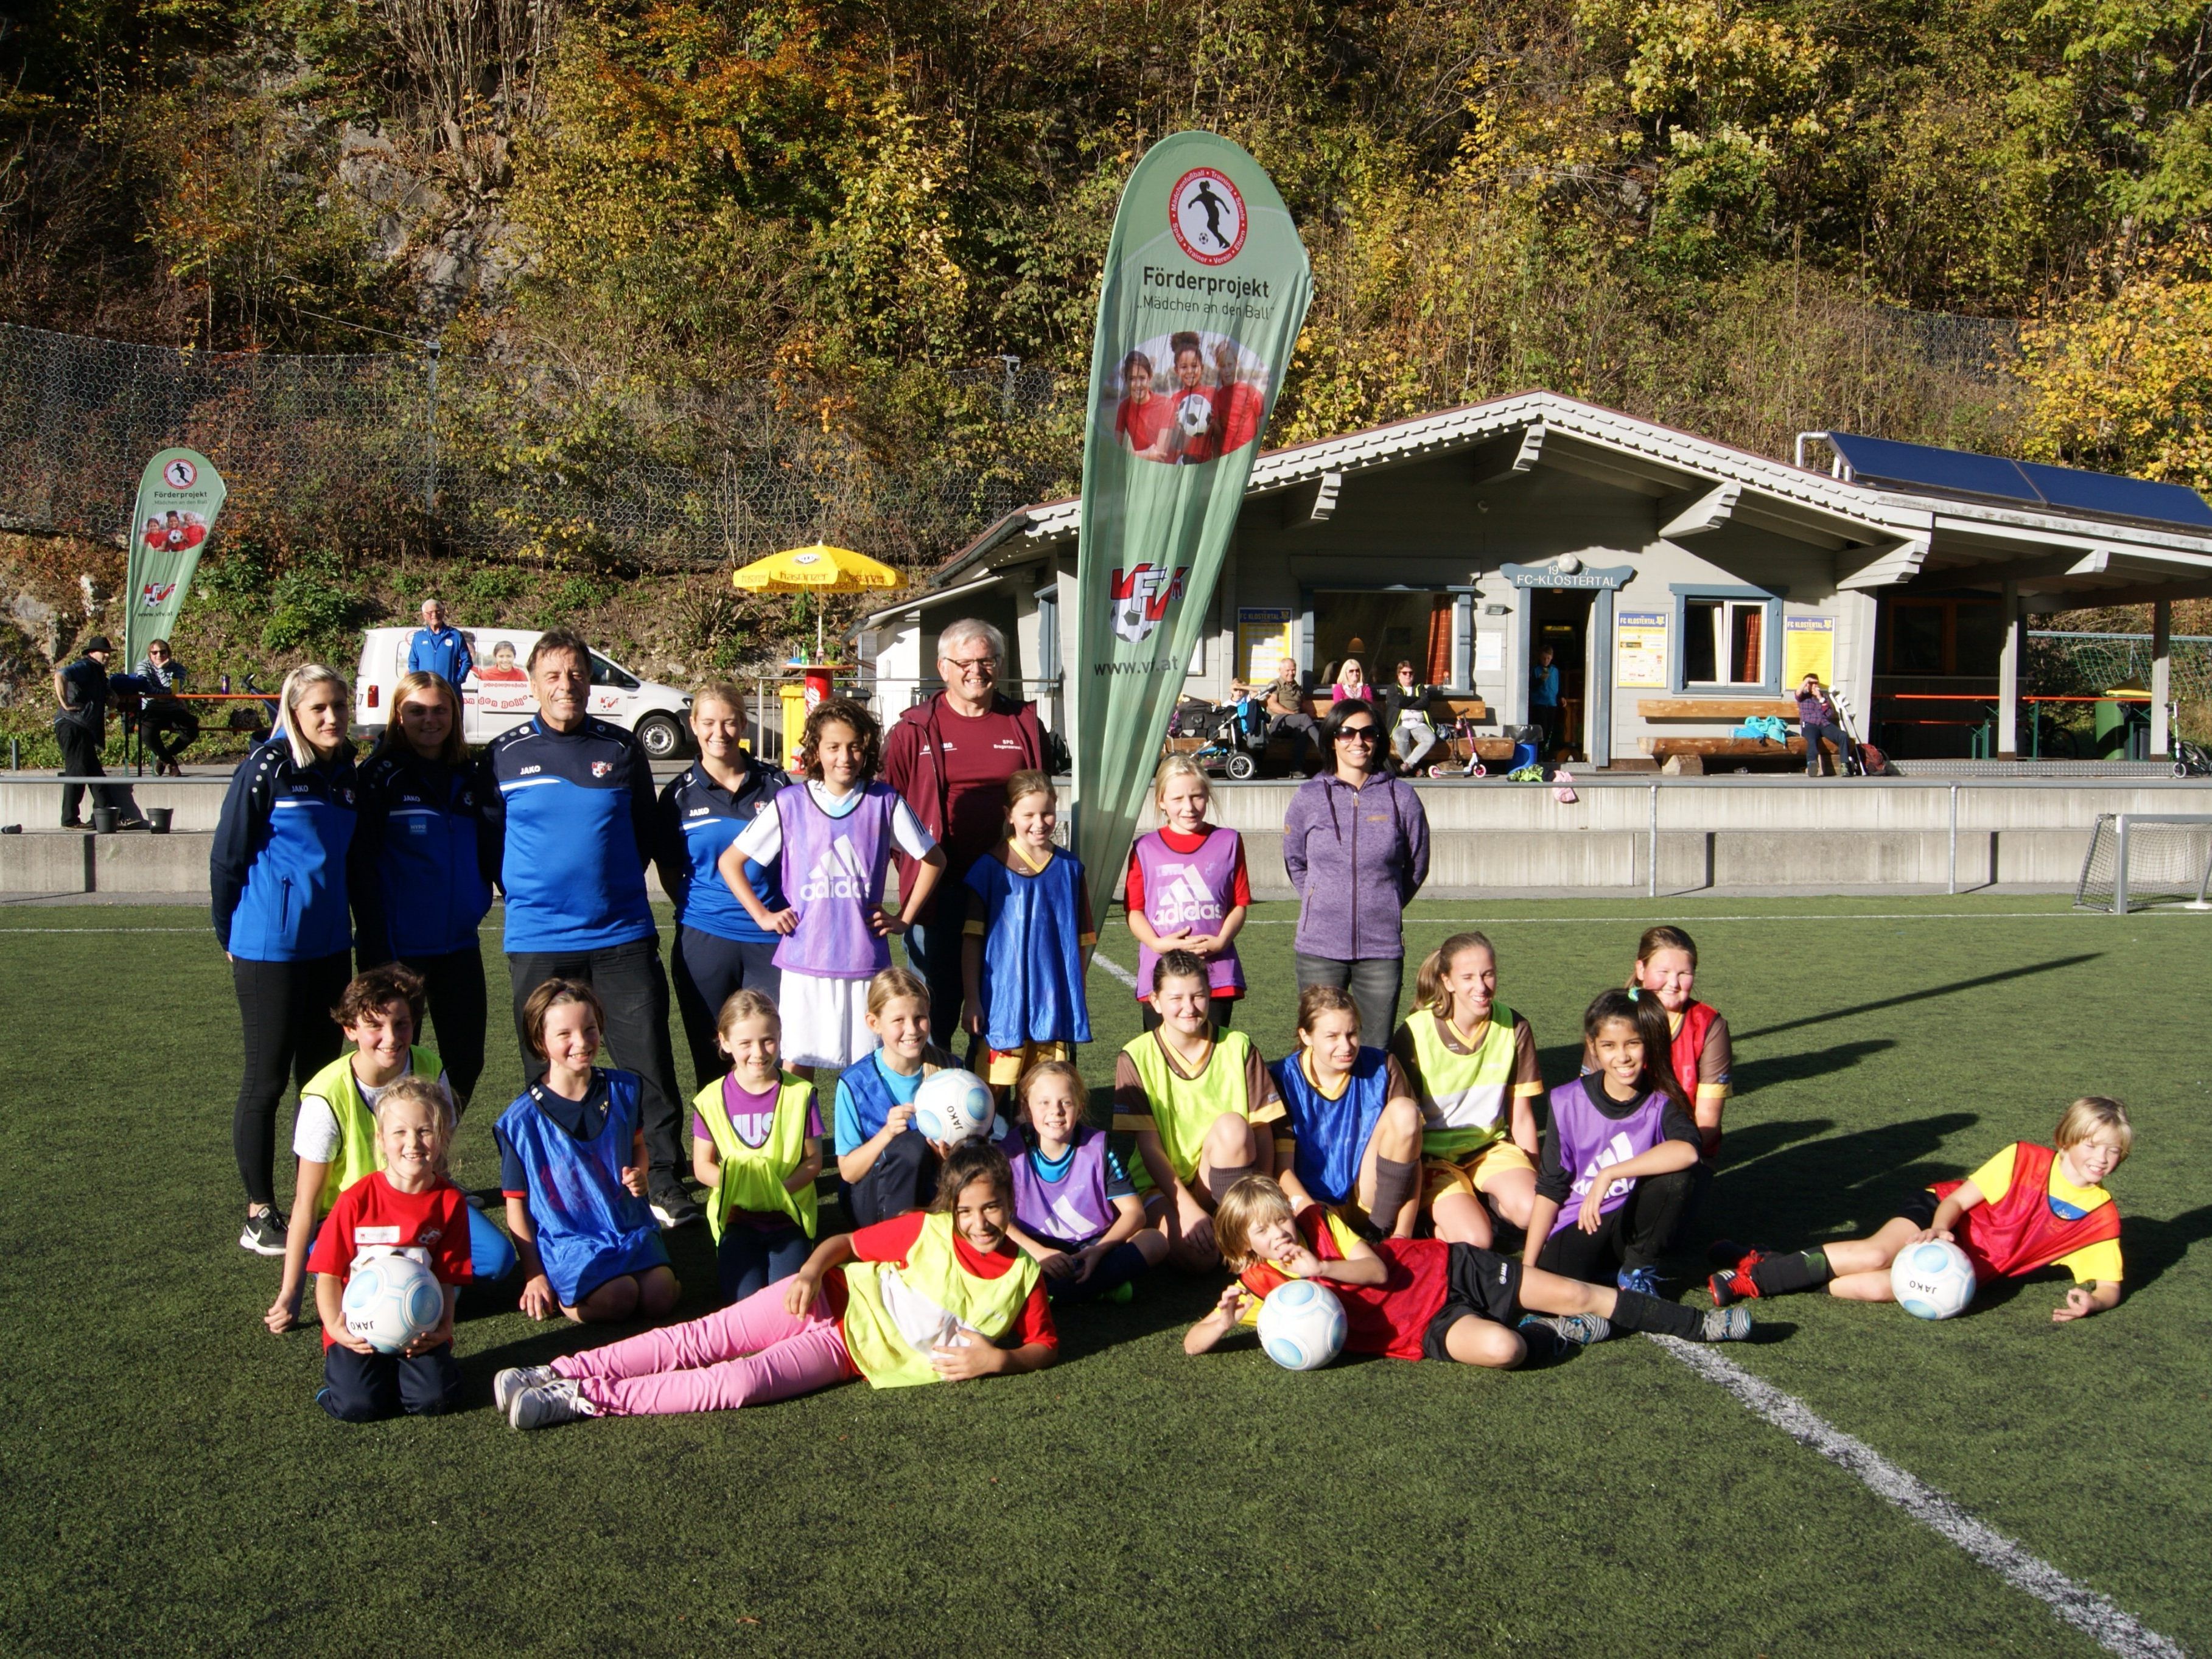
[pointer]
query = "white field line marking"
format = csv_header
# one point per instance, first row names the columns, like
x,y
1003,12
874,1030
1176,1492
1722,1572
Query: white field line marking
x,y
2094,1615
1114,969
203,929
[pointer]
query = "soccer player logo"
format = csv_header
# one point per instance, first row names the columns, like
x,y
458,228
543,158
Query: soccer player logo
x,y
1206,214
181,473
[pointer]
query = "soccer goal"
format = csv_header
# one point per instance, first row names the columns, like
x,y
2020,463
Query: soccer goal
x,y
2139,859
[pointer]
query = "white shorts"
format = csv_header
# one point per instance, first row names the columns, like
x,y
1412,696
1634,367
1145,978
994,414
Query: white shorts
x,y
824,1020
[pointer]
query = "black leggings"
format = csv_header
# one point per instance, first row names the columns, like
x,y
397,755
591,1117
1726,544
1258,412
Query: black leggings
x,y
285,1008
1634,1236
708,969
453,986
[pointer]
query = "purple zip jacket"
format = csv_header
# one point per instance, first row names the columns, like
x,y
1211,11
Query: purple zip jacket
x,y
1355,857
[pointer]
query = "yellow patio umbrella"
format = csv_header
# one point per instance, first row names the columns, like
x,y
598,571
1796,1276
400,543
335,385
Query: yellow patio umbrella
x,y
820,568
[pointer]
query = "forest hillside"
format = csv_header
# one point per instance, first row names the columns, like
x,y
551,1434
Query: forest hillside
x,y
849,251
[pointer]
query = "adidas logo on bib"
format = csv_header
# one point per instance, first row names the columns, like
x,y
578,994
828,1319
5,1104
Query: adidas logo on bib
x,y
836,874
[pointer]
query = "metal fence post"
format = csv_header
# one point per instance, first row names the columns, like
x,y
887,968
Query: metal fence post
x,y
434,351
1651,858
1954,886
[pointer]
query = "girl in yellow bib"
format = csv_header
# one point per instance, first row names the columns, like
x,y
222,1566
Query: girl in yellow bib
x,y
933,1297
757,1148
1472,1061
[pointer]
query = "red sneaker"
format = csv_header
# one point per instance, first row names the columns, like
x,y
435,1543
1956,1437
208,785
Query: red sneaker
x,y
1733,1285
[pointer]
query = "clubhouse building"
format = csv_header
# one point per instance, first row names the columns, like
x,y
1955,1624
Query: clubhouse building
x,y
1683,586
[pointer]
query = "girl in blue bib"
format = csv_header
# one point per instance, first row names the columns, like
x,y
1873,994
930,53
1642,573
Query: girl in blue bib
x,y
572,1167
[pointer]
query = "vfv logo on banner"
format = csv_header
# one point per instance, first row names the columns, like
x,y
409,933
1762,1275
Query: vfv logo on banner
x,y
154,595
1141,597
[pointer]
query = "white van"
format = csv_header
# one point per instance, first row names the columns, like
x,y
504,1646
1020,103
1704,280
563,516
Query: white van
x,y
497,695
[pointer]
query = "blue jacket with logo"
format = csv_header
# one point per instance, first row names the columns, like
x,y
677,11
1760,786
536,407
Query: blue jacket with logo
x,y
422,861
278,865
573,812
699,819
440,651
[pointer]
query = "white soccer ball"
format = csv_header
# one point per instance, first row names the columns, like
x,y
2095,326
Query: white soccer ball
x,y
1934,1281
391,1300
952,1106
1302,1325
1192,415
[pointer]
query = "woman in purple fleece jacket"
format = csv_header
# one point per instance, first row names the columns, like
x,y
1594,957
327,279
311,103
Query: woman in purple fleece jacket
x,y
1356,843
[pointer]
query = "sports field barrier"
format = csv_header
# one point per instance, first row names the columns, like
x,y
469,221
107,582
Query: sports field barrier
x,y
1625,834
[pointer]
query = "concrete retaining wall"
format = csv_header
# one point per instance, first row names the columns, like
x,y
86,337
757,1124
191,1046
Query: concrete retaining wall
x,y
1834,836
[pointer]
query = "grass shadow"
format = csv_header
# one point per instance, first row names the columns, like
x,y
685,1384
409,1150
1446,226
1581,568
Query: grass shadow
x,y
1810,1063
1809,1190
2150,1247
1933,991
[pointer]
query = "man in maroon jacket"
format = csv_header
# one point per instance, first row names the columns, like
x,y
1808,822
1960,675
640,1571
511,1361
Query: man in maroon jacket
x,y
948,758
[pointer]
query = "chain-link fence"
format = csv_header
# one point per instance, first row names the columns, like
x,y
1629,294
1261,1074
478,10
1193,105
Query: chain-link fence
x,y
488,456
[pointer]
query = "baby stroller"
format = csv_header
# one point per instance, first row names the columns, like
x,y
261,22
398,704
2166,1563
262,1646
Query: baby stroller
x,y
1237,745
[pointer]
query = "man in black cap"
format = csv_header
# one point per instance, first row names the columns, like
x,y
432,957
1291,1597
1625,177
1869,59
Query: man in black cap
x,y
80,728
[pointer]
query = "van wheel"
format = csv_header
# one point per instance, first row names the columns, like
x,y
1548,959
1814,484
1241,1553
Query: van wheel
x,y
659,736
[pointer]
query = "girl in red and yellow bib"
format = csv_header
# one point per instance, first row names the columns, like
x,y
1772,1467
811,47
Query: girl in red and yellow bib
x,y
2028,1207
932,1297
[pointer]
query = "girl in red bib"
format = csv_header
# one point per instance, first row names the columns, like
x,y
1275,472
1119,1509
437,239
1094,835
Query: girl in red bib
x,y
1667,968
2028,1207
934,1296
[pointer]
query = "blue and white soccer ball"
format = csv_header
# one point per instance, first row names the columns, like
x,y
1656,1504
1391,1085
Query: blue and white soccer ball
x,y
1302,1325
1932,1280
391,1300
952,1106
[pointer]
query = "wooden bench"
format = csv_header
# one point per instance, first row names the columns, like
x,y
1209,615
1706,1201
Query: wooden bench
x,y
1735,710
1664,750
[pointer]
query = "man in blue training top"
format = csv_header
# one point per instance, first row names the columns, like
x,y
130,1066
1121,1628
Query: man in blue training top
x,y
1544,701
574,814
438,649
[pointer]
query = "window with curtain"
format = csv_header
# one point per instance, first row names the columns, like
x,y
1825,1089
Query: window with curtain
x,y
1724,642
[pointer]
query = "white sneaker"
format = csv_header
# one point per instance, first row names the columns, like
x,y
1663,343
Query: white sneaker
x,y
557,1401
514,1380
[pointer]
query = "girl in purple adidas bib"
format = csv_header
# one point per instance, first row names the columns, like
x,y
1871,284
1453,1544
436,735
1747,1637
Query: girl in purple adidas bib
x,y
1189,889
833,841
1620,1153
1074,1208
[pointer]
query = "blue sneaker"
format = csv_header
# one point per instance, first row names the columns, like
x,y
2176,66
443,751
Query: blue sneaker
x,y
1646,1280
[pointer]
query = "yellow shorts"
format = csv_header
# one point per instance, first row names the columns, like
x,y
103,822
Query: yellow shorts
x,y
1475,1173
1005,1066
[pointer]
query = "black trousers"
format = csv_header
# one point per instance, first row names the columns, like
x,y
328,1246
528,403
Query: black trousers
x,y
169,727
932,949
459,1006
635,991
285,1009
903,1178
708,970
81,759
364,1387
1634,1236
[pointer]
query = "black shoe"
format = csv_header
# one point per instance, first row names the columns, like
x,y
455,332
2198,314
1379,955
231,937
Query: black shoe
x,y
673,1208
75,823
133,823
264,1232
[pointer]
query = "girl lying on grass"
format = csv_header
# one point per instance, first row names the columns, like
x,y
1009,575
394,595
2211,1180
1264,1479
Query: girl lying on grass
x,y
2027,1208
934,1296
1423,1298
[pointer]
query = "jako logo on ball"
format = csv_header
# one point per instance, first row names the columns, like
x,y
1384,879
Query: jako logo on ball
x,y
952,1106
1932,1279
1141,597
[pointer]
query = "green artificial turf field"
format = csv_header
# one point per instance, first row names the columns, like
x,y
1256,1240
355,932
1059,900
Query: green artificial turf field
x,y
168,1486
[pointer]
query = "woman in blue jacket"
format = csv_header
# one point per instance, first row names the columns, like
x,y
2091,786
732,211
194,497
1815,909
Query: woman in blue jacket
x,y
278,873
421,867
720,948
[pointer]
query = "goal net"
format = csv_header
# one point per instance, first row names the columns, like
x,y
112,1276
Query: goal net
x,y
2139,859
